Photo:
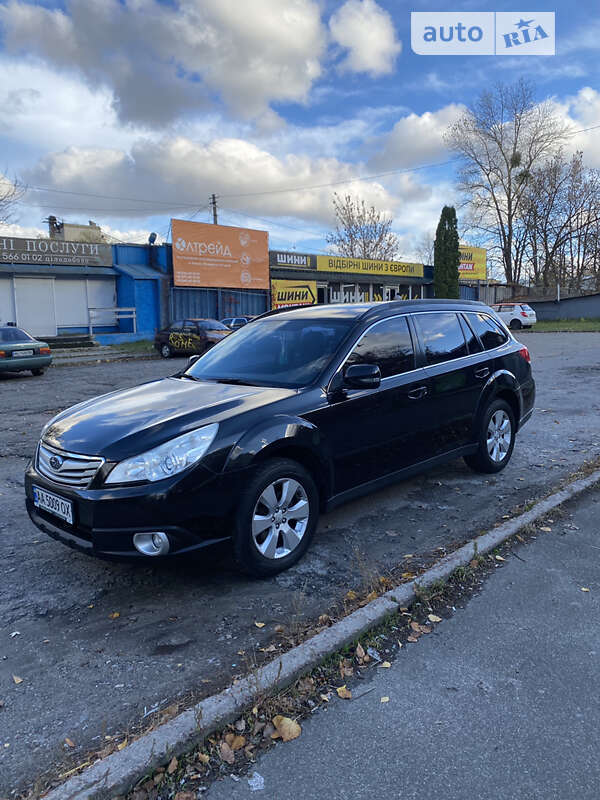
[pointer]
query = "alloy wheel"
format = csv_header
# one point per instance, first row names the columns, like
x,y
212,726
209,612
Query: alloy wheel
x,y
499,435
280,518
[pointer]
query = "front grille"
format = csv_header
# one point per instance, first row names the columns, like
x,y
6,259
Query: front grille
x,y
68,469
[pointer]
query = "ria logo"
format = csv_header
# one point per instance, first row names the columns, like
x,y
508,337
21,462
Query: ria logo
x,y
56,463
482,33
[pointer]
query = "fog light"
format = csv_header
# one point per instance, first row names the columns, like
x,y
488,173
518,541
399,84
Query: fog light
x,y
152,544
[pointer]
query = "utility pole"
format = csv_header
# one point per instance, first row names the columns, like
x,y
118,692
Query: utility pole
x,y
213,202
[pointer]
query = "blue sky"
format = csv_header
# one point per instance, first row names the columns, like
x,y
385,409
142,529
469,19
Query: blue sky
x,y
129,112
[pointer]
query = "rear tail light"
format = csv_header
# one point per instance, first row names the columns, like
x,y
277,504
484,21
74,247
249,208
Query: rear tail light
x,y
44,351
2,354
524,352
524,314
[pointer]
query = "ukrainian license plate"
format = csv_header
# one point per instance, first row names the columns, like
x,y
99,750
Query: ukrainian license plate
x,y
20,353
53,504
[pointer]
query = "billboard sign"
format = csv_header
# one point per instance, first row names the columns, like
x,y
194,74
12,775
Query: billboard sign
x,y
282,258
473,263
369,266
219,256
287,294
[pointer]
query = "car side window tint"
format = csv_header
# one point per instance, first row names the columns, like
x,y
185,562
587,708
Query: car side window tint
x,y
387,344
473,343
176,326
442,336
490,334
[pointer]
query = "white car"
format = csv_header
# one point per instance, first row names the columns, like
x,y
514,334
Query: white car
x,y
516,315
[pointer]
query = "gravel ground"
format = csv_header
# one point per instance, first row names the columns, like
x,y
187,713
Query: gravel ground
x,y
181,627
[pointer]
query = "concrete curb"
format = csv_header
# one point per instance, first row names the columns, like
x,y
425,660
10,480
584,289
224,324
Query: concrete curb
x,y
117,773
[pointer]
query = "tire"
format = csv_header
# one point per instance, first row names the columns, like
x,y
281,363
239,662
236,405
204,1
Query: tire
x,y
261,499
515,324
38,372
165,351
493,456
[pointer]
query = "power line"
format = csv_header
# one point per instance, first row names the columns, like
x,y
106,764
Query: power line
x,y
109,196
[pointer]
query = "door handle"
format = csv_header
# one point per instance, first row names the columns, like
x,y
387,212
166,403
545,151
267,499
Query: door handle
x,y
482,373
418,393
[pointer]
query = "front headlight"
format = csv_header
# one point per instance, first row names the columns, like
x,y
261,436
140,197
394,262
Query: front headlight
x,y
167,459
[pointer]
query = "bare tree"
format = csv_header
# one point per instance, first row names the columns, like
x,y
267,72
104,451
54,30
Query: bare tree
x,y
361,231
10,193
424,248
500,140
561,223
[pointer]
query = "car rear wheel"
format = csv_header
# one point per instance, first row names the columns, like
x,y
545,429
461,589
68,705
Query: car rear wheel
x,y
276,518
165,351
39,371
515,324
496,439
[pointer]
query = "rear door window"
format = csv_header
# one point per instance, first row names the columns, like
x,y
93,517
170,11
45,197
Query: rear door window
x,y
490,334
441,335
387,344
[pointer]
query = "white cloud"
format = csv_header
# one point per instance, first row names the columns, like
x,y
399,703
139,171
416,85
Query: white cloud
x,y
162,62
415,139
367,32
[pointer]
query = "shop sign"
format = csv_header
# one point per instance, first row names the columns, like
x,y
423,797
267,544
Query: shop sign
x,y
280,258
287,294
368,266
54,252
473,263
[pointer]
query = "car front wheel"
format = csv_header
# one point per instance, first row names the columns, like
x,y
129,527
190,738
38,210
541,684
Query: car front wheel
x,y
496,439
165,351
276,518
39,371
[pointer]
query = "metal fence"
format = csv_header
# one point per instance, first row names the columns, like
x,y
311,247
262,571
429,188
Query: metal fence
x,y
216,303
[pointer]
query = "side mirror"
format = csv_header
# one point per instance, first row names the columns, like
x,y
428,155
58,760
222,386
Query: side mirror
x,y
362,376
192,360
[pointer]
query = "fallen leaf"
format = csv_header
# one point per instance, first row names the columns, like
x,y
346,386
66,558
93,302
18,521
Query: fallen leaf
x,y
185,796
172,765
324,697
473,563
360,652
505,516
279,629
499,558
413,639
17,680
545,528
203,758
408,576
287,728
415,626
114,615
584,589
260,624
371,596
235,742
346,670
255,711
324,619
520,538
385,699
425,629
270,649
69,742
344,693
434,618
351,595
227,753
385,665
306,685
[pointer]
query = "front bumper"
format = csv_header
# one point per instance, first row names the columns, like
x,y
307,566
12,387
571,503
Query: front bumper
x,y
193,509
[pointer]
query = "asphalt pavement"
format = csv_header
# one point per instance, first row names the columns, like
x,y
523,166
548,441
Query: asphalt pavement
x,y
183,628
501,701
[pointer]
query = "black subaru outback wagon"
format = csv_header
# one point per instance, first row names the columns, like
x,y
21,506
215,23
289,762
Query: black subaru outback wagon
x,y
297,412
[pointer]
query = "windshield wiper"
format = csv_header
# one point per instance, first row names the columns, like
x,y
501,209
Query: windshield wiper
x,y
185,375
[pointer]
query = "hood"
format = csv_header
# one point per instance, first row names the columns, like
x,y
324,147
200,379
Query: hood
x,y
128,422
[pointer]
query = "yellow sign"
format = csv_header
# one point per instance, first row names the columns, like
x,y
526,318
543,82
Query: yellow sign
x,y
286,294
369,266
473,263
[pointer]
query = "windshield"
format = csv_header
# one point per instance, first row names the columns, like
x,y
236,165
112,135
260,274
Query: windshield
x,y
12,335
274,352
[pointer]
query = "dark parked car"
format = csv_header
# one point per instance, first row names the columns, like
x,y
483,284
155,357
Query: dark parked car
x,y
188,337
20,351
236,322
296,413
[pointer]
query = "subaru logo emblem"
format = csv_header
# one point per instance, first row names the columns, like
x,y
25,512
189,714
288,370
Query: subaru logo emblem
x,y
56,463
